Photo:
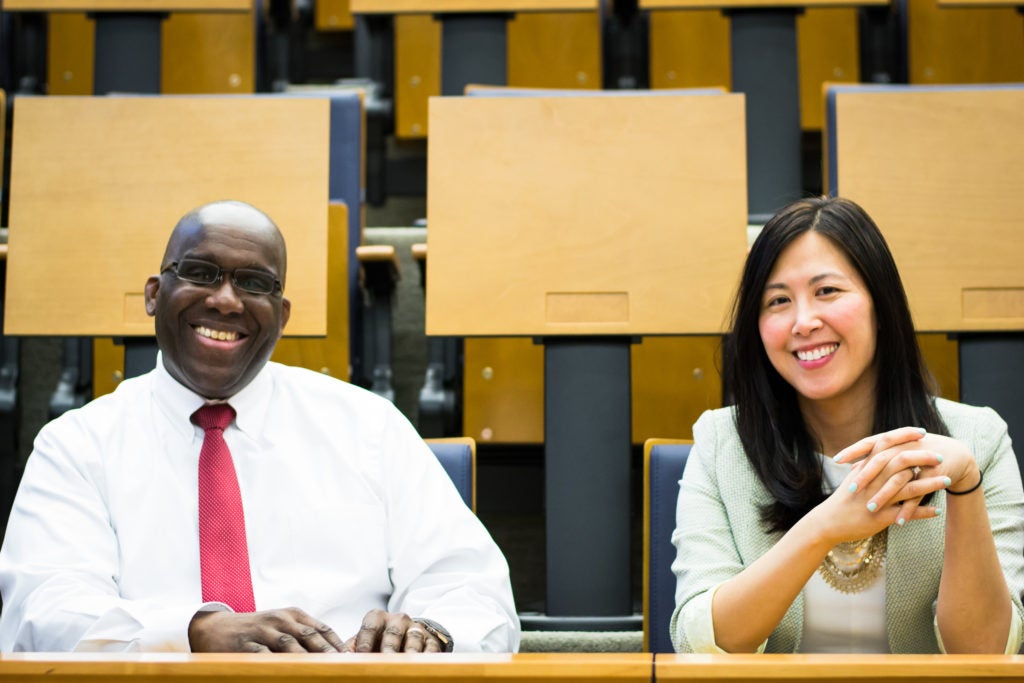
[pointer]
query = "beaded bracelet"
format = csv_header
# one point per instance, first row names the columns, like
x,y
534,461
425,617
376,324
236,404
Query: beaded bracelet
x,y
981,476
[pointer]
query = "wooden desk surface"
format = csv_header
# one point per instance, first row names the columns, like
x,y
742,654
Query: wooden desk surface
x,y
584,215
763,4
97,184
128,5
941,172
838,668
505,668
428,6
169,668
981,3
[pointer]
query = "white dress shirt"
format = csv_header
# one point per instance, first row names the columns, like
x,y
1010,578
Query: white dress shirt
x,y
346,510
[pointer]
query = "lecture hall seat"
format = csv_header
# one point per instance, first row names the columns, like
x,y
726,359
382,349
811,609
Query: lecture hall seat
x,y
664,462
458,457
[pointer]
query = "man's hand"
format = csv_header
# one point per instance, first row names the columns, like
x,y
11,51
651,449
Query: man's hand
x,y
391,632
279,630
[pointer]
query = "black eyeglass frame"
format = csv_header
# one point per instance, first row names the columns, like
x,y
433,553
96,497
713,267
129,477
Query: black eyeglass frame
x,y
277,289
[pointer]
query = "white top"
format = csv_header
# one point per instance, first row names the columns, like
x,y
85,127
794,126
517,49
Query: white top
x,y
843,622
346,510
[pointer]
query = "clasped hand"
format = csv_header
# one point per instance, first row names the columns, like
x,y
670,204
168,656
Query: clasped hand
x,y
293,630
892,472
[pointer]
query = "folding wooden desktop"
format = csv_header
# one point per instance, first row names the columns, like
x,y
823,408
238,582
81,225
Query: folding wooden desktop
x,y
473,33
941,170
97,184
585,222
764,68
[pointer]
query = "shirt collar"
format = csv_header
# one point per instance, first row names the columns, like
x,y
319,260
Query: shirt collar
x,y
178,402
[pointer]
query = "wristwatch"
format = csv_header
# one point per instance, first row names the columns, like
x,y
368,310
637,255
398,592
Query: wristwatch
x,y
440,632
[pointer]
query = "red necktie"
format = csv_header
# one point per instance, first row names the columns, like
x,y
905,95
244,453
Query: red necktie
x,y
223,551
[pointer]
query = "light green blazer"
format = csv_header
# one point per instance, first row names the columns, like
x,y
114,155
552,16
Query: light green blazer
x,y
719,533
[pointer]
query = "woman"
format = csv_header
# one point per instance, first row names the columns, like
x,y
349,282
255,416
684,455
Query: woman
x,y
840,506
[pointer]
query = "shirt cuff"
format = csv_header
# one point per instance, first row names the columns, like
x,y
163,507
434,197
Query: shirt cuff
x,y
699,626
1013,638
124,629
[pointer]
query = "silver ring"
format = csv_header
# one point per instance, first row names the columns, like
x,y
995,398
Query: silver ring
x,y
916,471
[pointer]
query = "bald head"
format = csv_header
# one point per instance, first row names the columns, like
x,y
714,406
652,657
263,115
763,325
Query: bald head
x,y
227,213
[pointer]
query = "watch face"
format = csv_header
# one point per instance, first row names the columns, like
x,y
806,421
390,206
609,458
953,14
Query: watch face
x,y
440,632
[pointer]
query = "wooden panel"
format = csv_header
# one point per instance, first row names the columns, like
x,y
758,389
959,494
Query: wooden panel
x,y
107,365
555,50
631,667
121,171
545,50
417,71
964,45
709,4
955,231
942,356
329,355
690,49
333,15
503,390
419,6
675,379
200,53
828,50
70,45
836,668
541,192
128,5
208,53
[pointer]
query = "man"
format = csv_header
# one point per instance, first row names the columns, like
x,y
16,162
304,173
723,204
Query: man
x,y
310,518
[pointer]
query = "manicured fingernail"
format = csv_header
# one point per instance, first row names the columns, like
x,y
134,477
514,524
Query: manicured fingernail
x,y
835,458
872,506
938,512
900,521
938,456
922,430
852,488
946,481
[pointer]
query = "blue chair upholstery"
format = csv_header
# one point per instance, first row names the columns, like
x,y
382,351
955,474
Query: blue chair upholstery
x,y
664,461
458,457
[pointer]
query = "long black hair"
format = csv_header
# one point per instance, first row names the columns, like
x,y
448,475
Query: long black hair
x,y
771,427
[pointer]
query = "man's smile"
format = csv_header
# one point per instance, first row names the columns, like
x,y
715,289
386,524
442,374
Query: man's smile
x,y
219,335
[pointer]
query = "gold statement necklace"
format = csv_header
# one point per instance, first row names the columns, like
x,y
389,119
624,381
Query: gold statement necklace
x,y
852,566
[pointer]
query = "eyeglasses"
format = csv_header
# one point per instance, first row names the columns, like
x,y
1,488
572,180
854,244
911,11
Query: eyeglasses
x,y
206,274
